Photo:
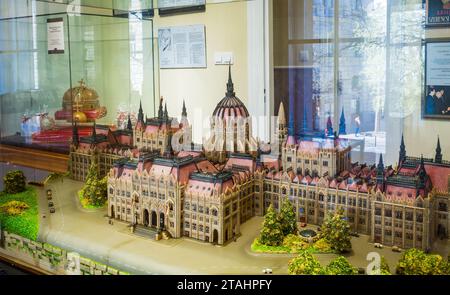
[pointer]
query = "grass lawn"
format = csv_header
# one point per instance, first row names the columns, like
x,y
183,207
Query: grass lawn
x,y
315,248
26,224
86,205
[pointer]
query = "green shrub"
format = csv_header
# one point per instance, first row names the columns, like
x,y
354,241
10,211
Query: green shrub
x,y
271,233
295,243
305,264
27,223
323,246
14,182
340,266
416,262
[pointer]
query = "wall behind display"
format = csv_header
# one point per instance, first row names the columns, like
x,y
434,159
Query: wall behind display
x,y
202,89
421,134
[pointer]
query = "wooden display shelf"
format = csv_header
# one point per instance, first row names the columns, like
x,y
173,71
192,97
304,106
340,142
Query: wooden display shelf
x,y
43,160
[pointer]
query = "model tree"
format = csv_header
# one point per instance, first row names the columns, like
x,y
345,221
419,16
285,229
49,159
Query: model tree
x,y
305,264
94,192
385,269
340,266
416,262
287,219
336,231
271,233
15,182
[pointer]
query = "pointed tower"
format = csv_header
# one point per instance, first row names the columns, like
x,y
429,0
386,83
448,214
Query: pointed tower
x,y
330,130
129,124
166,114
282,128
141,113
230,85
184,120
438,157
75,135
168,150
402,154
160,109
422,173
342,124
291,128
380,172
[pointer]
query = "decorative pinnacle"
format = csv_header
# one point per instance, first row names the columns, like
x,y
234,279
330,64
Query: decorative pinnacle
x,y
160,110
230,85
281,115
381,163
184,112
166,113
129,124
438,149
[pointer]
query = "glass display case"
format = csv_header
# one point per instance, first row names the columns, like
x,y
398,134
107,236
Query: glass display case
x,y
100,69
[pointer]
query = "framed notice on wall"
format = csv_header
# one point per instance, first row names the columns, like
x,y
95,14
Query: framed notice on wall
x,y
170,7
55,36
436,101
182,47
438,13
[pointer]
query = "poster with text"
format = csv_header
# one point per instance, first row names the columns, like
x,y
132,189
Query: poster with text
x,y
182,47
55,36
438,13
436,102
163,4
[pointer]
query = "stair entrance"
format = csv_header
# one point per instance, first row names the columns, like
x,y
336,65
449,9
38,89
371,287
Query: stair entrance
x,y
145,232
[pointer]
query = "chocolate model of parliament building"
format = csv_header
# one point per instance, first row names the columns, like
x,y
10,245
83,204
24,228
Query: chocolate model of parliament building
x,y
207,195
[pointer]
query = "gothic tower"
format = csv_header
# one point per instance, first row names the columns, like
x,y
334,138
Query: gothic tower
x,y
438,157
402,154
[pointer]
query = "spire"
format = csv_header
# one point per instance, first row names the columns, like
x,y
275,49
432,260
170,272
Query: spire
x,y
75,136
381,163
141,113
160,110
402,154
166,114
438,157
129,124
184,111
168,151
342,124
380,171
422,173
230,85
281,115
330,130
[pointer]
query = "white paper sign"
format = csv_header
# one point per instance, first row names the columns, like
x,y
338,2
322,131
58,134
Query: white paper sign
x,y
179,3
438,64
55,36
182,47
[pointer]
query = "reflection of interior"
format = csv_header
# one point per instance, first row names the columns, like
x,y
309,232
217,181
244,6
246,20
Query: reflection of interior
x,y
337,61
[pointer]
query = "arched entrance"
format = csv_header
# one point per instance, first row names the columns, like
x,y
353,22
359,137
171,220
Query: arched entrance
x,y
215,237
146,218
442,232
161,221
113,214
154,219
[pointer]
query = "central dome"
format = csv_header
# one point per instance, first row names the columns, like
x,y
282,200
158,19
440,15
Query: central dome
x,y
230,105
